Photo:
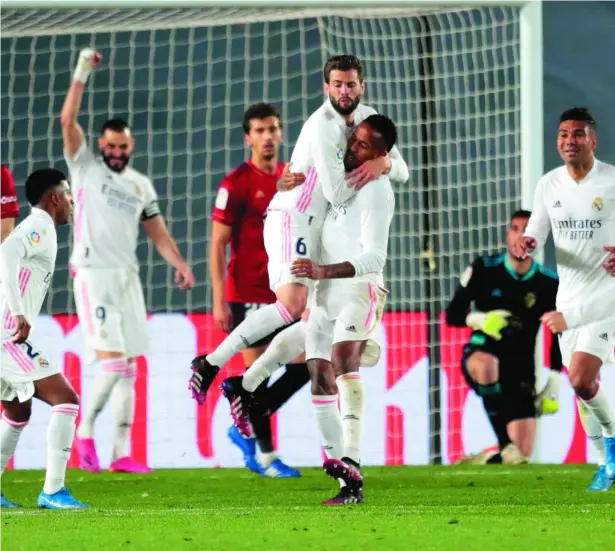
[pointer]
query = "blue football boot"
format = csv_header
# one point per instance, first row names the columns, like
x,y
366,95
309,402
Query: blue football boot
x,y
60,500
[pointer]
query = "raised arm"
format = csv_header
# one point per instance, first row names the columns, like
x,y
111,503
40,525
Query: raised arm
x,y
72,133
399,173
539,226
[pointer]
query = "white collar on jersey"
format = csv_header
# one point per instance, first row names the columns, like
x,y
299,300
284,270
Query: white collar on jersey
x,y
36,211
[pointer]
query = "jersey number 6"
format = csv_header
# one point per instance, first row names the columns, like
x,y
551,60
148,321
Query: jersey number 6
x,y
301,247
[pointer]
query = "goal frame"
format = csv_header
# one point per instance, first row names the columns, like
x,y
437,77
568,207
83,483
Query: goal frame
x,y
530,61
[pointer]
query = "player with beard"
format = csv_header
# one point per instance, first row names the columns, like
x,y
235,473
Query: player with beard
x,y
296,215
111,199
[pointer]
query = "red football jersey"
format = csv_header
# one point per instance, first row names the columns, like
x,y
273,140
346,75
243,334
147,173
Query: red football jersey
x,y
242,201
9,207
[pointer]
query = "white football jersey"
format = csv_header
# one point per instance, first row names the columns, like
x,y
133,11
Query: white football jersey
x,y
582,218
107,212
357,231
319,154
27,263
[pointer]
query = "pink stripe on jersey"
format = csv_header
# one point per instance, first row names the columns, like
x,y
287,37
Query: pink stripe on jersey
x,y
23,279
284,313
14,424
79,217
118,365
373,301
311,177
85,297
20,357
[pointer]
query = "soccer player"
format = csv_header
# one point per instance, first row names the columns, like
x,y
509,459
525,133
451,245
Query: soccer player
x,y
27,263
577,202
294,220
345,314
510,295
239,211
111,199
9,207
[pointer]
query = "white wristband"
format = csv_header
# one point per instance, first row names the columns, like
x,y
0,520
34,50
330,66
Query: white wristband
x,y
82,73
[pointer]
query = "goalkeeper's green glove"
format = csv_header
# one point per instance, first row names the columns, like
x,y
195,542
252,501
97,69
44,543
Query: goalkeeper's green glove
x,y
547,401
492,323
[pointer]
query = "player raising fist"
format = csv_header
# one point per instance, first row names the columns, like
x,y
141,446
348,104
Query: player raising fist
x,y
111,199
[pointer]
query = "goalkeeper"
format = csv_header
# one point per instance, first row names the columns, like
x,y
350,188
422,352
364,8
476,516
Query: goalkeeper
x,y
510,295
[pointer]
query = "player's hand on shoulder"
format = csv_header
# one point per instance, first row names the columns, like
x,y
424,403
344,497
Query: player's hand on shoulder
x,y
22,329
609,265
89,58
290,180
524,246
555,322
368,171
222,316
184,278
304,267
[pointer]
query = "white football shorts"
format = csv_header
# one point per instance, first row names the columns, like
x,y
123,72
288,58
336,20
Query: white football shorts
x,y
111,310
289,236
348,311
20,366
597,339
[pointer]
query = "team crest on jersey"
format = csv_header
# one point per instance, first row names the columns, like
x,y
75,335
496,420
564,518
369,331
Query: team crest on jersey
x,y
598,204
259,194
222,198
530,299
35,237
340,155
42,362
466,276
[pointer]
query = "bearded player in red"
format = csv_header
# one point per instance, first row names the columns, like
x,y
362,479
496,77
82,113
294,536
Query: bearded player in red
x,y
243,286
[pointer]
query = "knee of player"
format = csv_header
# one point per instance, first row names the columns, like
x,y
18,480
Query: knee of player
x,y
19,412
343,365
69,396
581,381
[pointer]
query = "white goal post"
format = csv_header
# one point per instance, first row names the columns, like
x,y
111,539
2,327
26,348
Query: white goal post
x,y
463,81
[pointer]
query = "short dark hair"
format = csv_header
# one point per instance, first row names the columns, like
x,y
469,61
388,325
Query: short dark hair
x,y
345,62
578,114
41,181
259,111
115,125
521,213
385,127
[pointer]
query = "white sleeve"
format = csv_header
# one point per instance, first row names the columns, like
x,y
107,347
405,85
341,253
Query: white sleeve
x,y
83,156
151,208
26,241
376,214
399,173
539,225
328,144
595,309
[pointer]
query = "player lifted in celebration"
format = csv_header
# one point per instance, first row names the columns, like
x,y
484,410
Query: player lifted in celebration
x,y
344,323
111,199
577,202
510,295
240,207
27,263
9,207
294,220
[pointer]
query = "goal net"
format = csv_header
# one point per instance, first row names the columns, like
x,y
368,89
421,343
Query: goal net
x,y
449,78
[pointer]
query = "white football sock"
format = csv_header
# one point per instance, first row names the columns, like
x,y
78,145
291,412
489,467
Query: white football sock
x,y
284,348
60,433
255,327
330,425
593,430
10,431
352,406
123,408
600,406
111,371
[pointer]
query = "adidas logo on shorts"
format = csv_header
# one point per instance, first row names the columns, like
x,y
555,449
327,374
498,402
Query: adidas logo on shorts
x,y
351,328
604,337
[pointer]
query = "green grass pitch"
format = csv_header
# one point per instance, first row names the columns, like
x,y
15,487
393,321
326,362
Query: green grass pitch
x,y
491,508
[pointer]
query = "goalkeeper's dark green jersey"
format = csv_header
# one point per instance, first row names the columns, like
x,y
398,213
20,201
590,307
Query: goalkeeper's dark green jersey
x,y
491,283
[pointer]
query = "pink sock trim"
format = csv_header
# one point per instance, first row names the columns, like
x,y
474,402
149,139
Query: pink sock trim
x,y
14,424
